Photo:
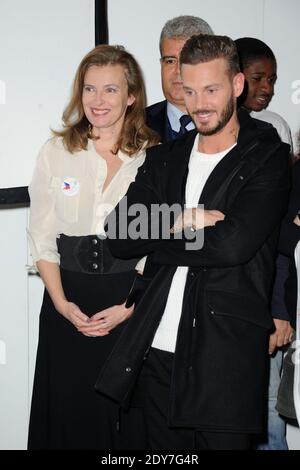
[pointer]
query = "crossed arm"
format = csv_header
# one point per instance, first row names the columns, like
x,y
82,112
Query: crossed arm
x,y
251,218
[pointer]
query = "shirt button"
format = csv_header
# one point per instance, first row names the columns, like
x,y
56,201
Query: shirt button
x,y
192,274
128,369
94,241
95,266
212,312
95,254
241,177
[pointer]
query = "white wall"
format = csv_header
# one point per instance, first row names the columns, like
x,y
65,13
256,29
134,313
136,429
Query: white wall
x,y
13,329
281,33
273,21
41,44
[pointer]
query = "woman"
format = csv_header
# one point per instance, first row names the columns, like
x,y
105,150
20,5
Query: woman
x,y
81,172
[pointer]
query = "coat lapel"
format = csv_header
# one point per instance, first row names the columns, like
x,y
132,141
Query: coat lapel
x,y
175,165
157,119
222,175
237,163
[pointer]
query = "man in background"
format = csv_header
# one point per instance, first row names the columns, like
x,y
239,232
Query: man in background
x,y
258,63
169,117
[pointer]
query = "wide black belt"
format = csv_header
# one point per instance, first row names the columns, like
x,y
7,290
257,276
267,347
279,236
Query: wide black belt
x,y
90,254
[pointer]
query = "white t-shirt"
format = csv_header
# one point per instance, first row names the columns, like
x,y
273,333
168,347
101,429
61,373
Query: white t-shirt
x,y
200,167
278,122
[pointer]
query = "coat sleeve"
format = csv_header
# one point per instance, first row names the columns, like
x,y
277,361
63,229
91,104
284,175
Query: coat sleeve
x,y
290,232
252,218
121,222
278,305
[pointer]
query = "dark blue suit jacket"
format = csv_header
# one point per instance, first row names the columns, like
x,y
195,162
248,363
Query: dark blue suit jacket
x,y
157,119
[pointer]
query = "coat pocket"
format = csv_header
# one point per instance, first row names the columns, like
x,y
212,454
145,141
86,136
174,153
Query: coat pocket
x,y
239,306
137,290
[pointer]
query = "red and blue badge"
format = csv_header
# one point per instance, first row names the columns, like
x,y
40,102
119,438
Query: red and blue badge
x,y
70,186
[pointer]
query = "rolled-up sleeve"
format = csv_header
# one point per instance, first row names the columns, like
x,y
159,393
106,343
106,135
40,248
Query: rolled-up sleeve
x,y
42,230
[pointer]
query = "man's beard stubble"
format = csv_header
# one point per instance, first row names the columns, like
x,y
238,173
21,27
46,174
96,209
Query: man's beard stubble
x,y
224,119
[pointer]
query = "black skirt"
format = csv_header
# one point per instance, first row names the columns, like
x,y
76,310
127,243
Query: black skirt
x,y
66,410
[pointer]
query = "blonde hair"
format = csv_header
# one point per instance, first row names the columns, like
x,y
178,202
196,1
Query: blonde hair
x,y
135,135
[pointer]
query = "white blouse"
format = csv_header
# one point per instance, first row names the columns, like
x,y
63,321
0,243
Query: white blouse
x,y
66,194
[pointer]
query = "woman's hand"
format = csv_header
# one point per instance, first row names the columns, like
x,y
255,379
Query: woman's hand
x,y
50,273
72,312
101,323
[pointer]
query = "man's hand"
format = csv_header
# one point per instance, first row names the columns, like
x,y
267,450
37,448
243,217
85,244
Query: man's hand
x,y
281,336
212,217
197,219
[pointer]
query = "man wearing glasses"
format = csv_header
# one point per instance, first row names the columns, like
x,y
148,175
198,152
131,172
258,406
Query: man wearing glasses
x,y
169,117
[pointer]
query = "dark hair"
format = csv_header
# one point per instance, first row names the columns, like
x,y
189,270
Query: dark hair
x,y
135,135
252,49
205,48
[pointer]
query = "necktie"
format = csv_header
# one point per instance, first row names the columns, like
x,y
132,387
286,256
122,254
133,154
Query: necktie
x,y
184,121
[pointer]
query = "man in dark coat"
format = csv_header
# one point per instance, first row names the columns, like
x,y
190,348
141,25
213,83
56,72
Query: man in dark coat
x,y
258,63
195,351
164,117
